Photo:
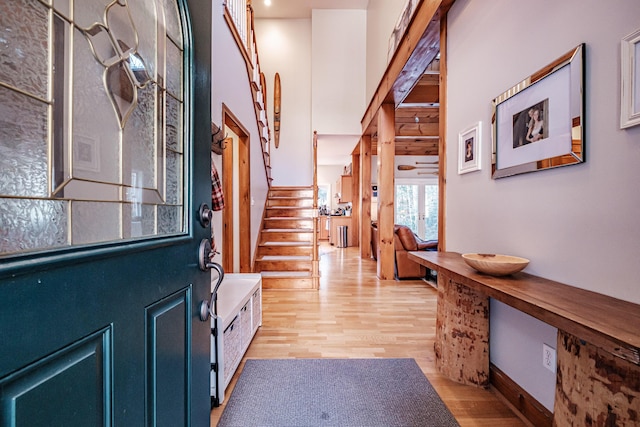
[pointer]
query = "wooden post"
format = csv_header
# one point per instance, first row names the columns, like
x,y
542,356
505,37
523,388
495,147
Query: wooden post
x,y
462,333
365,197
386,187
354,233
442,146
594,387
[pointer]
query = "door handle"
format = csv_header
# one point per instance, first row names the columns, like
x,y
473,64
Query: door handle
x,y
209,308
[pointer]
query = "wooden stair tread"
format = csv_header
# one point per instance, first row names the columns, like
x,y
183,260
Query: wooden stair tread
x,y
289,208
297,243
285,253
284,257
285,274
288,230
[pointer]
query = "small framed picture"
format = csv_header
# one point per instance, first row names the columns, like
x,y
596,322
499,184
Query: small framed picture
x,y
538,123
469,149
630,87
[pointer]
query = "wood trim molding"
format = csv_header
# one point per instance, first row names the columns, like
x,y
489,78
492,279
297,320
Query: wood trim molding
x,y
442,141
523,404
230,121
227,212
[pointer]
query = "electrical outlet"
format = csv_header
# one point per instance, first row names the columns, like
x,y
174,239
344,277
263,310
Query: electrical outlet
x,y
549,357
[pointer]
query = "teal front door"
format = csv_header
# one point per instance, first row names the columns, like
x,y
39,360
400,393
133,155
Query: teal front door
x,y
104,161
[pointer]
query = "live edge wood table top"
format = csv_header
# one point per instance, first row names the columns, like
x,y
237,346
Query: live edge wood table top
x,y
607,322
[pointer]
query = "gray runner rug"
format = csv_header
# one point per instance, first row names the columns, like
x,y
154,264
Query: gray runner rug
x,y
334,392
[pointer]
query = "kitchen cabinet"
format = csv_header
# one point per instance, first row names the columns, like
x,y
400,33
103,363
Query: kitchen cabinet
x,y
323,232
337,221
344,187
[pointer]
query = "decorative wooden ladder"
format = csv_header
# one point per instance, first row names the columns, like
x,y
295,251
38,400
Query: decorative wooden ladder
x,y
287,253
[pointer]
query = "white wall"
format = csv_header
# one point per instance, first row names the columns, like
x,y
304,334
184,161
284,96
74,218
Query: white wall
x,y
577,224
230,85
284,47
381,19
322,67
338,71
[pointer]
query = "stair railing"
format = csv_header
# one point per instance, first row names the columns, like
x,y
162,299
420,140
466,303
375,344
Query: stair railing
x,y
239,17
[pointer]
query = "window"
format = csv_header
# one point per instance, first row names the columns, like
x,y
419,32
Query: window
x,y
416,206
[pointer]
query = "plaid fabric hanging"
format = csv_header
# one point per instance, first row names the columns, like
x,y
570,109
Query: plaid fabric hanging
x,y
217,196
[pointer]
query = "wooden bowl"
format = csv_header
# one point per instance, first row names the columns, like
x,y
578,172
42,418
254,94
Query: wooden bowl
x,y
494,264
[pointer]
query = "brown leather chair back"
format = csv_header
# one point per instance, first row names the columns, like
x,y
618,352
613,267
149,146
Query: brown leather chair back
x,y
406,237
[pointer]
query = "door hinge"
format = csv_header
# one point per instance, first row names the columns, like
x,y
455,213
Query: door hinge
x,y
214,367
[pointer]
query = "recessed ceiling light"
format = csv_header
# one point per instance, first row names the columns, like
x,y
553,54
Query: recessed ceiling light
x,y
267,2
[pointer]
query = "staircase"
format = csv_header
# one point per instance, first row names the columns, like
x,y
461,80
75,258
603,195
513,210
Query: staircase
x,y
287,254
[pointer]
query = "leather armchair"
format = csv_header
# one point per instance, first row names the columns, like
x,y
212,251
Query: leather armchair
x,y
405,240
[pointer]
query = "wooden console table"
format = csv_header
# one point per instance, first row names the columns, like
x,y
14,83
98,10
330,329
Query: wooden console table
x,y
598,346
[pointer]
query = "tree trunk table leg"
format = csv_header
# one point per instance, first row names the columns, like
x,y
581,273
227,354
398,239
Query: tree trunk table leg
x,y
594,387
462,333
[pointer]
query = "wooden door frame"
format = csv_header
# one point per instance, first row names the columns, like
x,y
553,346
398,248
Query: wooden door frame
x,y
229,120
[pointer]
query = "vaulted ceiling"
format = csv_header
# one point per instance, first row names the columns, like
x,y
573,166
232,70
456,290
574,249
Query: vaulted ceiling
x,y
415,88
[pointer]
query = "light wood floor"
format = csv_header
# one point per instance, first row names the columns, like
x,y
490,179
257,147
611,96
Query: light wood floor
x,y
355,315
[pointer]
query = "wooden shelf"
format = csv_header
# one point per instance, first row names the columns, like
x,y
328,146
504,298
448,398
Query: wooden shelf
x,y
598,341
605,321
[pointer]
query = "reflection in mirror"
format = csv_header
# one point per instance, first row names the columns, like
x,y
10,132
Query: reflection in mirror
x,y
538,123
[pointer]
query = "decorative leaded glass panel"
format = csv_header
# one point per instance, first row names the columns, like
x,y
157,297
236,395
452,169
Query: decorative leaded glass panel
x,y
169,219
95,124
23,145
24,64
63,7
93,222
174,177
29,224
148,42
139,220
172,22
91,130
140,140
174,70
174,124
88,12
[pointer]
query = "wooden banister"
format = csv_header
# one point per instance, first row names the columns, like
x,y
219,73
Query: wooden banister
x,y
246,40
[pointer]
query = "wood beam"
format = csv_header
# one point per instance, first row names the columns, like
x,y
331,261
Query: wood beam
x,y
357,197
386,184
417,48
365,196
410,146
